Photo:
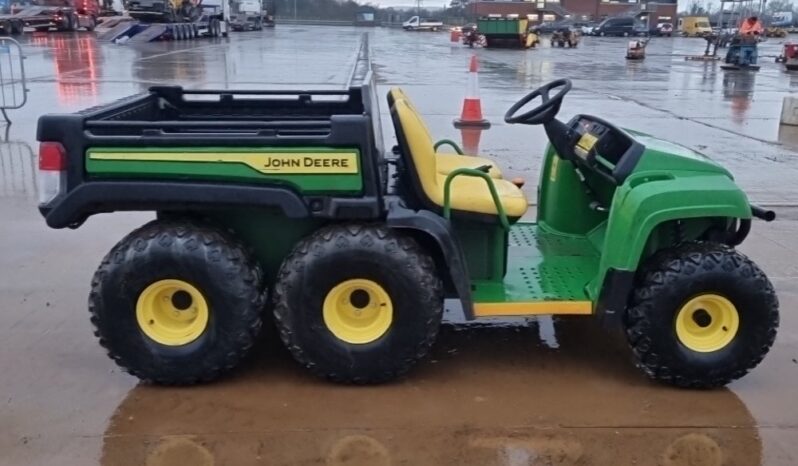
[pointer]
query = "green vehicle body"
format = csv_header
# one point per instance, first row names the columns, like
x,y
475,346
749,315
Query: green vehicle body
x,y
571,248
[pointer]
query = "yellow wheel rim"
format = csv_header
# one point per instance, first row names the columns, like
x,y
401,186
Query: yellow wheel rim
x,y
358,311
707,323
172,312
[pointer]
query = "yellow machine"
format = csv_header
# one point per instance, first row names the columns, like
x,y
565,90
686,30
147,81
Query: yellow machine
x,y
695,26
171,11
776,32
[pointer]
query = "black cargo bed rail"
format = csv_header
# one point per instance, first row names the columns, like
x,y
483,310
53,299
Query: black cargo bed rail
x,y
168,117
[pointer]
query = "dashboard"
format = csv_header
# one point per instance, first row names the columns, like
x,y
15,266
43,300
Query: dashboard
x,y
603,148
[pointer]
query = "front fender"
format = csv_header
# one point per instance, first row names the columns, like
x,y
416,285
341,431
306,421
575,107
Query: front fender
x,y
648,200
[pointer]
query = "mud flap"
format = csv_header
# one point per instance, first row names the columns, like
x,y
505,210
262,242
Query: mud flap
x,y
614,298
438,229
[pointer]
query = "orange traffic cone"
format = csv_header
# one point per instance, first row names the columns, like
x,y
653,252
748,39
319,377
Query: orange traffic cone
x,y
470,136
472,105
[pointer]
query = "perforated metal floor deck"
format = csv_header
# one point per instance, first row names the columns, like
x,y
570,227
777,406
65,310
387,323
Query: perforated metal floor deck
x,y
542,267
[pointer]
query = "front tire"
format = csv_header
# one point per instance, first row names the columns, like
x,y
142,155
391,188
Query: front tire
x,y
702,315
358,304
177,302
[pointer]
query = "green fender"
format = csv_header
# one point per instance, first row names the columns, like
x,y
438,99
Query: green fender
x,y
649,199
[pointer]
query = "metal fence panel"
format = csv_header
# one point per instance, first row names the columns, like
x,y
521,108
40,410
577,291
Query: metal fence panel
x,y
13,93
17,170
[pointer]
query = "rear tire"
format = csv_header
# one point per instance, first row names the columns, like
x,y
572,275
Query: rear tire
x,y
358,304
701,316
177,302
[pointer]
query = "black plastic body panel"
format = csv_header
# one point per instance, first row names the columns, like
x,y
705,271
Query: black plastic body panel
x,y
614,298
625,163
109,196
440,230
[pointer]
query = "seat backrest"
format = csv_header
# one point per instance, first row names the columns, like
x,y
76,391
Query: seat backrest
x,y
396,93
417,149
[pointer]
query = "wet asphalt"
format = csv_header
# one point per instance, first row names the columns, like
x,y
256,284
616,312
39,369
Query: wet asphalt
x,y
537,392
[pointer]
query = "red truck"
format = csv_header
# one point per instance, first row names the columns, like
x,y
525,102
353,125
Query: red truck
x,y
62,15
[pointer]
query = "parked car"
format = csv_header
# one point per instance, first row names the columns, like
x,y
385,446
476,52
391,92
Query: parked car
x,y
547,27
664,29
615,27
640,30
587,28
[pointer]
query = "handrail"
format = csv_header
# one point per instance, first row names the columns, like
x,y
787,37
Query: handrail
x,y
449,142
480,174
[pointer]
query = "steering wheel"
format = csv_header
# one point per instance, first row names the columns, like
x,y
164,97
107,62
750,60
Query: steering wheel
x,y
544,112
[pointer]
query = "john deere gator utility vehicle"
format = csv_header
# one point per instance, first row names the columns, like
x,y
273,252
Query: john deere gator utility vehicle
x,y
280,202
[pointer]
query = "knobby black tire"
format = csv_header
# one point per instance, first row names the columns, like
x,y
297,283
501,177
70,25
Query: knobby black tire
x,y
672,277
209,258
338,253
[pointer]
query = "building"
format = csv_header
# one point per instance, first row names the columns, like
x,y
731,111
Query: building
x,y
660,11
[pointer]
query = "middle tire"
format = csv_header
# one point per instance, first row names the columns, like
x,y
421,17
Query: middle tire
x,y
358,303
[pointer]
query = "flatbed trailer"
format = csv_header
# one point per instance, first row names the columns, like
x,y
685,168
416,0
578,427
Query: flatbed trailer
x,y
11,24
139,31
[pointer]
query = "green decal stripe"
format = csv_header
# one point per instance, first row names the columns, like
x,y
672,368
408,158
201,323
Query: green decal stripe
x,y
169,163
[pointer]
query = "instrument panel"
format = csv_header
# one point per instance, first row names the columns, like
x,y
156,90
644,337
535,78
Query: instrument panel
x,y
603,148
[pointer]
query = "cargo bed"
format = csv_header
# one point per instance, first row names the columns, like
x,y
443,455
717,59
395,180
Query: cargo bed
x,y
308,153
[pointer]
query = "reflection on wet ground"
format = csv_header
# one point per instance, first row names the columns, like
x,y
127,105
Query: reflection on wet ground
x,y
487,396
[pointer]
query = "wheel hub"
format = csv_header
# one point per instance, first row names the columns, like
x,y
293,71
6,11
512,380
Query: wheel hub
x,y
172,312
707,323
358,311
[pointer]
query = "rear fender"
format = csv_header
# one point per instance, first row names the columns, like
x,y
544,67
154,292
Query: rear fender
x,y
450,255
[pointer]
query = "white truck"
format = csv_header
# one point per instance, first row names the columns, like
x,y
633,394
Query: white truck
x,y
417,24
782,19
246,15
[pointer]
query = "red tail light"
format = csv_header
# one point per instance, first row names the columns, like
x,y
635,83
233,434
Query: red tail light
x,y
52,156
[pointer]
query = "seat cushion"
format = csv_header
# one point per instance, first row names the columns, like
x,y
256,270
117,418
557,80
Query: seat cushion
x,y
471,194
448,163
468,193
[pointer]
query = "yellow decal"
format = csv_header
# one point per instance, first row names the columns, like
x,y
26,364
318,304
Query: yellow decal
x,y
533,308
587,141
555,163
264,162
